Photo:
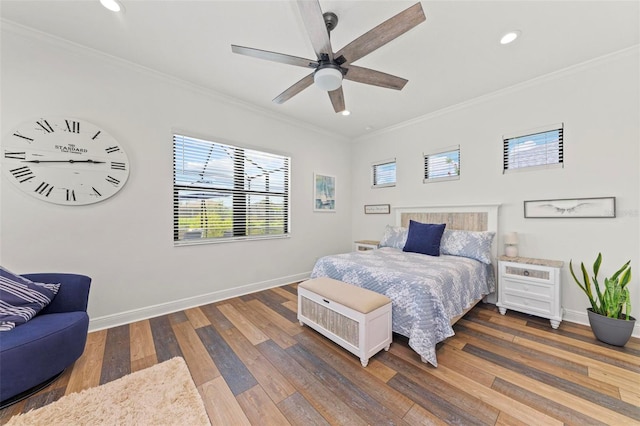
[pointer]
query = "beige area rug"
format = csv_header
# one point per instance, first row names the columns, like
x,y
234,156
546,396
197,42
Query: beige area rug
x,y
160,395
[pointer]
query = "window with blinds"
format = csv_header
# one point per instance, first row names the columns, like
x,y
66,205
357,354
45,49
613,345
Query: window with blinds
x,y
539,148
384,173
444,164
223,192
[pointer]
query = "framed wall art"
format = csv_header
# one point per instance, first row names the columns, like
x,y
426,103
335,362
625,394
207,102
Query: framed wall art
x,y
377,209
600,207
324,193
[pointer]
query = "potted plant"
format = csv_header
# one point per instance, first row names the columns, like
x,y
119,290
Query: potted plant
x,y
609,315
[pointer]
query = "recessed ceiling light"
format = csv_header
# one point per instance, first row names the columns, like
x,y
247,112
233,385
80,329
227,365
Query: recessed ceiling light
x,y
510,37
346,112
112,5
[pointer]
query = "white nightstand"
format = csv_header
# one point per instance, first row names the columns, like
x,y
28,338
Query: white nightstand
x,y
531,286
365,245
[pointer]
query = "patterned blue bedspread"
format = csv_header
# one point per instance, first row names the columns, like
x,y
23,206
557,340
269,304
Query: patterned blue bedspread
x,y
426,291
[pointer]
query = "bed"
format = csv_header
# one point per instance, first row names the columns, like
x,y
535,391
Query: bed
x,y
429,293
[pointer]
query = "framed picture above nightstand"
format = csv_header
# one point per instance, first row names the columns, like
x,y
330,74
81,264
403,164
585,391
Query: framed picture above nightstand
x,y
530,286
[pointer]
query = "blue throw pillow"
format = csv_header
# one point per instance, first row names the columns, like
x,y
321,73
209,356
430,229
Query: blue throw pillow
x,y
21,299
424,238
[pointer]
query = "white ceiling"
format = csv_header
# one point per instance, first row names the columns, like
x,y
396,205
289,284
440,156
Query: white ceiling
x,y
452,57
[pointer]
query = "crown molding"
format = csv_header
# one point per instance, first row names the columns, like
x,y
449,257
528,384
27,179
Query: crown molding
x,y
561,73
80,49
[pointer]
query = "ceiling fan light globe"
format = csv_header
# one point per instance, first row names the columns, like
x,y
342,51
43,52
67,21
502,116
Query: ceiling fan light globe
x,y
328,79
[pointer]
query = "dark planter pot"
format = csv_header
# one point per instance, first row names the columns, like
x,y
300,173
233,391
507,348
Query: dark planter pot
x,y
613,331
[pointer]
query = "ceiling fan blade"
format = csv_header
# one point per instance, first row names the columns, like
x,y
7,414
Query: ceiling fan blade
x,y
274,56
337,99
294,90
317,29
382,34
375,78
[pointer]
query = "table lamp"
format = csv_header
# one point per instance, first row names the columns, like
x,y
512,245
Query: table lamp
x,y
511,244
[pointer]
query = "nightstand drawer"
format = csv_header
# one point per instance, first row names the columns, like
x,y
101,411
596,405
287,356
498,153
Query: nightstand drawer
x,y
526,304
529,273
528,287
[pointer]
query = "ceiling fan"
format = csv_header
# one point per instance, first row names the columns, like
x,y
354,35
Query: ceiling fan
x,y
329,67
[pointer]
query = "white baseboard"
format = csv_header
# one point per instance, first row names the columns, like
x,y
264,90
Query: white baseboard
x,y
581,317
147,312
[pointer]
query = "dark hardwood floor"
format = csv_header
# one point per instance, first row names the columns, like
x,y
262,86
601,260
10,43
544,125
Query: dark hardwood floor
x,y
254,364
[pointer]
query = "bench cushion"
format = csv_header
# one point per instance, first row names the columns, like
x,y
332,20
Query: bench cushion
x,y
354,297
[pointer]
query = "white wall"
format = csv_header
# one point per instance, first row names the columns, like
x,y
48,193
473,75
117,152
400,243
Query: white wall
x,y
598,103
125,243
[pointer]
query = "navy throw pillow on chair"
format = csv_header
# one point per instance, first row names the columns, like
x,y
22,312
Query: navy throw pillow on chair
x,y
424,238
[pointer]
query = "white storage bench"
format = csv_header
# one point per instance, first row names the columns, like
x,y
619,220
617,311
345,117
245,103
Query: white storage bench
x,y
357,319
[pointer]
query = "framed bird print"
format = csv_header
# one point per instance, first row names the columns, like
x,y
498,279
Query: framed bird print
x,y
600,207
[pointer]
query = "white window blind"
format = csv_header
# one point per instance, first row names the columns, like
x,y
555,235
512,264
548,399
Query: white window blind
x,y
442,165
223,192
384,173
537,148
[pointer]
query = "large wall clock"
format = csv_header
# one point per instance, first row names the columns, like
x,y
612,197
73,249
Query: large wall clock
x,y
64,161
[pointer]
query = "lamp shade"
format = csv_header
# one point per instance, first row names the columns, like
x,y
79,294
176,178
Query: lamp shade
x,y
328,78
511,238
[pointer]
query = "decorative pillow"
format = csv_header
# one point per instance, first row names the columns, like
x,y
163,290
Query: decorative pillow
x,y
394,236
21,299
424,238
471,244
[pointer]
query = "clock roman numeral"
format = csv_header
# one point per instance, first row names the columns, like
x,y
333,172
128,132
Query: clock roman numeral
x,y
95,192
15,155
23,137
72,126
23,174
71,195
96,135
44,124
112,149
44,189
118,166
112,180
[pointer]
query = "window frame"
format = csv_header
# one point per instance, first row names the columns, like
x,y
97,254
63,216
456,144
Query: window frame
x,y
240,219
376,164
559,127
444,150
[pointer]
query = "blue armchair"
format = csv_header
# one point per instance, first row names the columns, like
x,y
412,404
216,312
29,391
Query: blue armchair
x,y
34,354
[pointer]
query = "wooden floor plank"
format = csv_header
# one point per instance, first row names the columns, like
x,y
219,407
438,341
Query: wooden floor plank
x,y
143,351
348,366
356,397
286,294
116,361
86,370
235,373
291,328
272,381
197,318
419,416
245,326
298,411
332,408
164,339
202,367
292,306
260,408
222,407
275,333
